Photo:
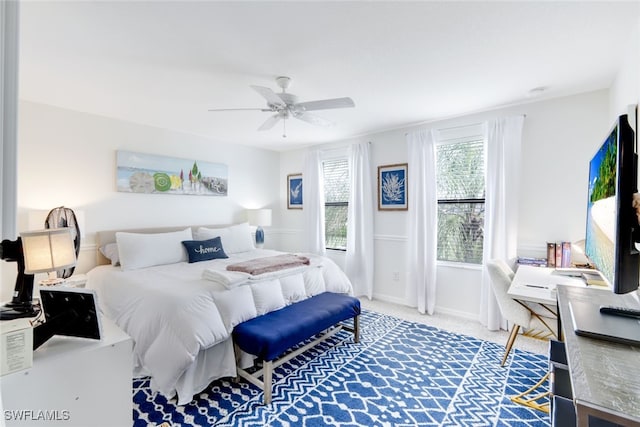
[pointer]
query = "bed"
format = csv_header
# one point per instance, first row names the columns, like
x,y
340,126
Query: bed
x,y
180,305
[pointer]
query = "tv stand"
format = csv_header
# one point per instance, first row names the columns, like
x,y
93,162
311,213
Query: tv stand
x,y
603,373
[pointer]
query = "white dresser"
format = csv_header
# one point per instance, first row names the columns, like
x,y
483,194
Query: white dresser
x,y
73,382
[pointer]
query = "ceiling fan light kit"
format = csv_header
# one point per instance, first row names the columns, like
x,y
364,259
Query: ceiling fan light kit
x,y
286,105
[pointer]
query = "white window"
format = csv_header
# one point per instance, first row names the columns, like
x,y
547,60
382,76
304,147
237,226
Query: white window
x,y
336,202
460,191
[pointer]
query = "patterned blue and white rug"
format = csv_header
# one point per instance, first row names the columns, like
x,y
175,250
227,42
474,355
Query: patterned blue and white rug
x,y
400,374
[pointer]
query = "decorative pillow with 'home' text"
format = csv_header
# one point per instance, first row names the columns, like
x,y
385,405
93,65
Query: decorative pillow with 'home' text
x,y
204,250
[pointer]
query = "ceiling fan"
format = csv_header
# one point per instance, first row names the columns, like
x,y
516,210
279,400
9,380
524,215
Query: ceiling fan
x,y
286,105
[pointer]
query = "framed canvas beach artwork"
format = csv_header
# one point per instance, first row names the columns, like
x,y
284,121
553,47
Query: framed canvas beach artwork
x,y
392,187
294,188
152,174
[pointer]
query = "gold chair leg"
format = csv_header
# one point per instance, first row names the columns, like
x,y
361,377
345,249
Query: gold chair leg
x,y
532,402
510,341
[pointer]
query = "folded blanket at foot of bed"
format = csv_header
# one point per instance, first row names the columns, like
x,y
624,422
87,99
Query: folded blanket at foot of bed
x,y
269,264
228,279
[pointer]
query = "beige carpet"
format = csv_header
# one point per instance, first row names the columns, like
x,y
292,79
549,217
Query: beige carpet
x,y
454,324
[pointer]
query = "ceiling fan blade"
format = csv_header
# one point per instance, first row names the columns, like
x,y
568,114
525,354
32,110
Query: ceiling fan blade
x,y
239,109
269,95
325,104
314,120
271,121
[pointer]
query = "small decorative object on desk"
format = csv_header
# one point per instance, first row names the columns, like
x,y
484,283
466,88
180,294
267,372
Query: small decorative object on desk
x,y
551,254
536,262
594,279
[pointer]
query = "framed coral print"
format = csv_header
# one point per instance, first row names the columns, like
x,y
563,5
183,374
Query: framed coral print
x,y
392,187
294,188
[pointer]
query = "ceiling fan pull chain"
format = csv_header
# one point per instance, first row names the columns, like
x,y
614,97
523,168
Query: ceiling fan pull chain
x,y
284,128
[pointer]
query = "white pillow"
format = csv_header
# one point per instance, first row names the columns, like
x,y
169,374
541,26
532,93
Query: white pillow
x,y
235,238
293,288
268,296
110,251
235,306
145,250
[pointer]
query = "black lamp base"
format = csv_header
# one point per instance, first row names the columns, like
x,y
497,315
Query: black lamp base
x,y
12,311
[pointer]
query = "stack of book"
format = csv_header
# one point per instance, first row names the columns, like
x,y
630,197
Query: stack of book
x,y
559,254
536,262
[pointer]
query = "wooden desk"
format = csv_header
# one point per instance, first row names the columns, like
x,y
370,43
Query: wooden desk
x,y
605,376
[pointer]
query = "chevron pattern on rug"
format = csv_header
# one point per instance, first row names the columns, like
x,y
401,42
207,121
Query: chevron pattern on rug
x,y
400,374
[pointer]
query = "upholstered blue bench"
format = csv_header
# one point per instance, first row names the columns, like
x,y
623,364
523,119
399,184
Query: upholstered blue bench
x,y
269,336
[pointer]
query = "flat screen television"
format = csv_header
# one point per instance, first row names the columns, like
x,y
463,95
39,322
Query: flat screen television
x,y
612,224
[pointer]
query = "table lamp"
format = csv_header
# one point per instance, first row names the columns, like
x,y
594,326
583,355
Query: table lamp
x,y
260,218
46,251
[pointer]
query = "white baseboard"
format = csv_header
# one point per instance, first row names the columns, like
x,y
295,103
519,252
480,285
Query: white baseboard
x,y
391,299
438,309
456,313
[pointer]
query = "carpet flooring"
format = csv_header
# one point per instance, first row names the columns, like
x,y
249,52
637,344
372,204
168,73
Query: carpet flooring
x,y
400,374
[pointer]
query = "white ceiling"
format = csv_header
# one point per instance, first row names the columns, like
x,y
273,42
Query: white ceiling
x,y
165,63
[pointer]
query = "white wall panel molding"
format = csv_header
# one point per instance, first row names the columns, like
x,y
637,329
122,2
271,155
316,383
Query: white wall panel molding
x,y
390,237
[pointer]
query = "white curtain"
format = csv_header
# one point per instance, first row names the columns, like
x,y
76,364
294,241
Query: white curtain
x,y
504,137
359,257
313,203
423,211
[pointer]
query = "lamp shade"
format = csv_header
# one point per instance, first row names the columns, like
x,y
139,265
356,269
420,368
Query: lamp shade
x,y
48,250
259,217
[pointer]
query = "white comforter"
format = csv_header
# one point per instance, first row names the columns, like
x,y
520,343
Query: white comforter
x,y
173,313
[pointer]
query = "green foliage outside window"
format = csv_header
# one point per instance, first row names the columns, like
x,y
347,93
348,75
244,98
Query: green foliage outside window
x,y
336,197
460,190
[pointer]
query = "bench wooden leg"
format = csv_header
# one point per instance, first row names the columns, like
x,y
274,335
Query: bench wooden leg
x,y
267,380
356,328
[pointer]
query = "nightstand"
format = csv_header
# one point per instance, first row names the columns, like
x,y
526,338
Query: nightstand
x,y
74,382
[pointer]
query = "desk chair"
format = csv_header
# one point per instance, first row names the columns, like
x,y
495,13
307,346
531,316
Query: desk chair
x,y
537,322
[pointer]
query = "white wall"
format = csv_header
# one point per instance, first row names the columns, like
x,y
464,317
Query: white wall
x,y
560,136
69,158
625,89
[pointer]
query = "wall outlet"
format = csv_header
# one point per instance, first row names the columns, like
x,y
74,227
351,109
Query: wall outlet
x,y
395,276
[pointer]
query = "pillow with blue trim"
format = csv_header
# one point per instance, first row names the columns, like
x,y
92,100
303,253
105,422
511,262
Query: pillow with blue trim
x,y
204,250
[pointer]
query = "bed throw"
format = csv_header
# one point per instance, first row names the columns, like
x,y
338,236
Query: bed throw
x,y
269,264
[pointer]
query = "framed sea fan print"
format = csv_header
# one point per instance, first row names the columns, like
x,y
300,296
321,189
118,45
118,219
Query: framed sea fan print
x,y
392,187
294,188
